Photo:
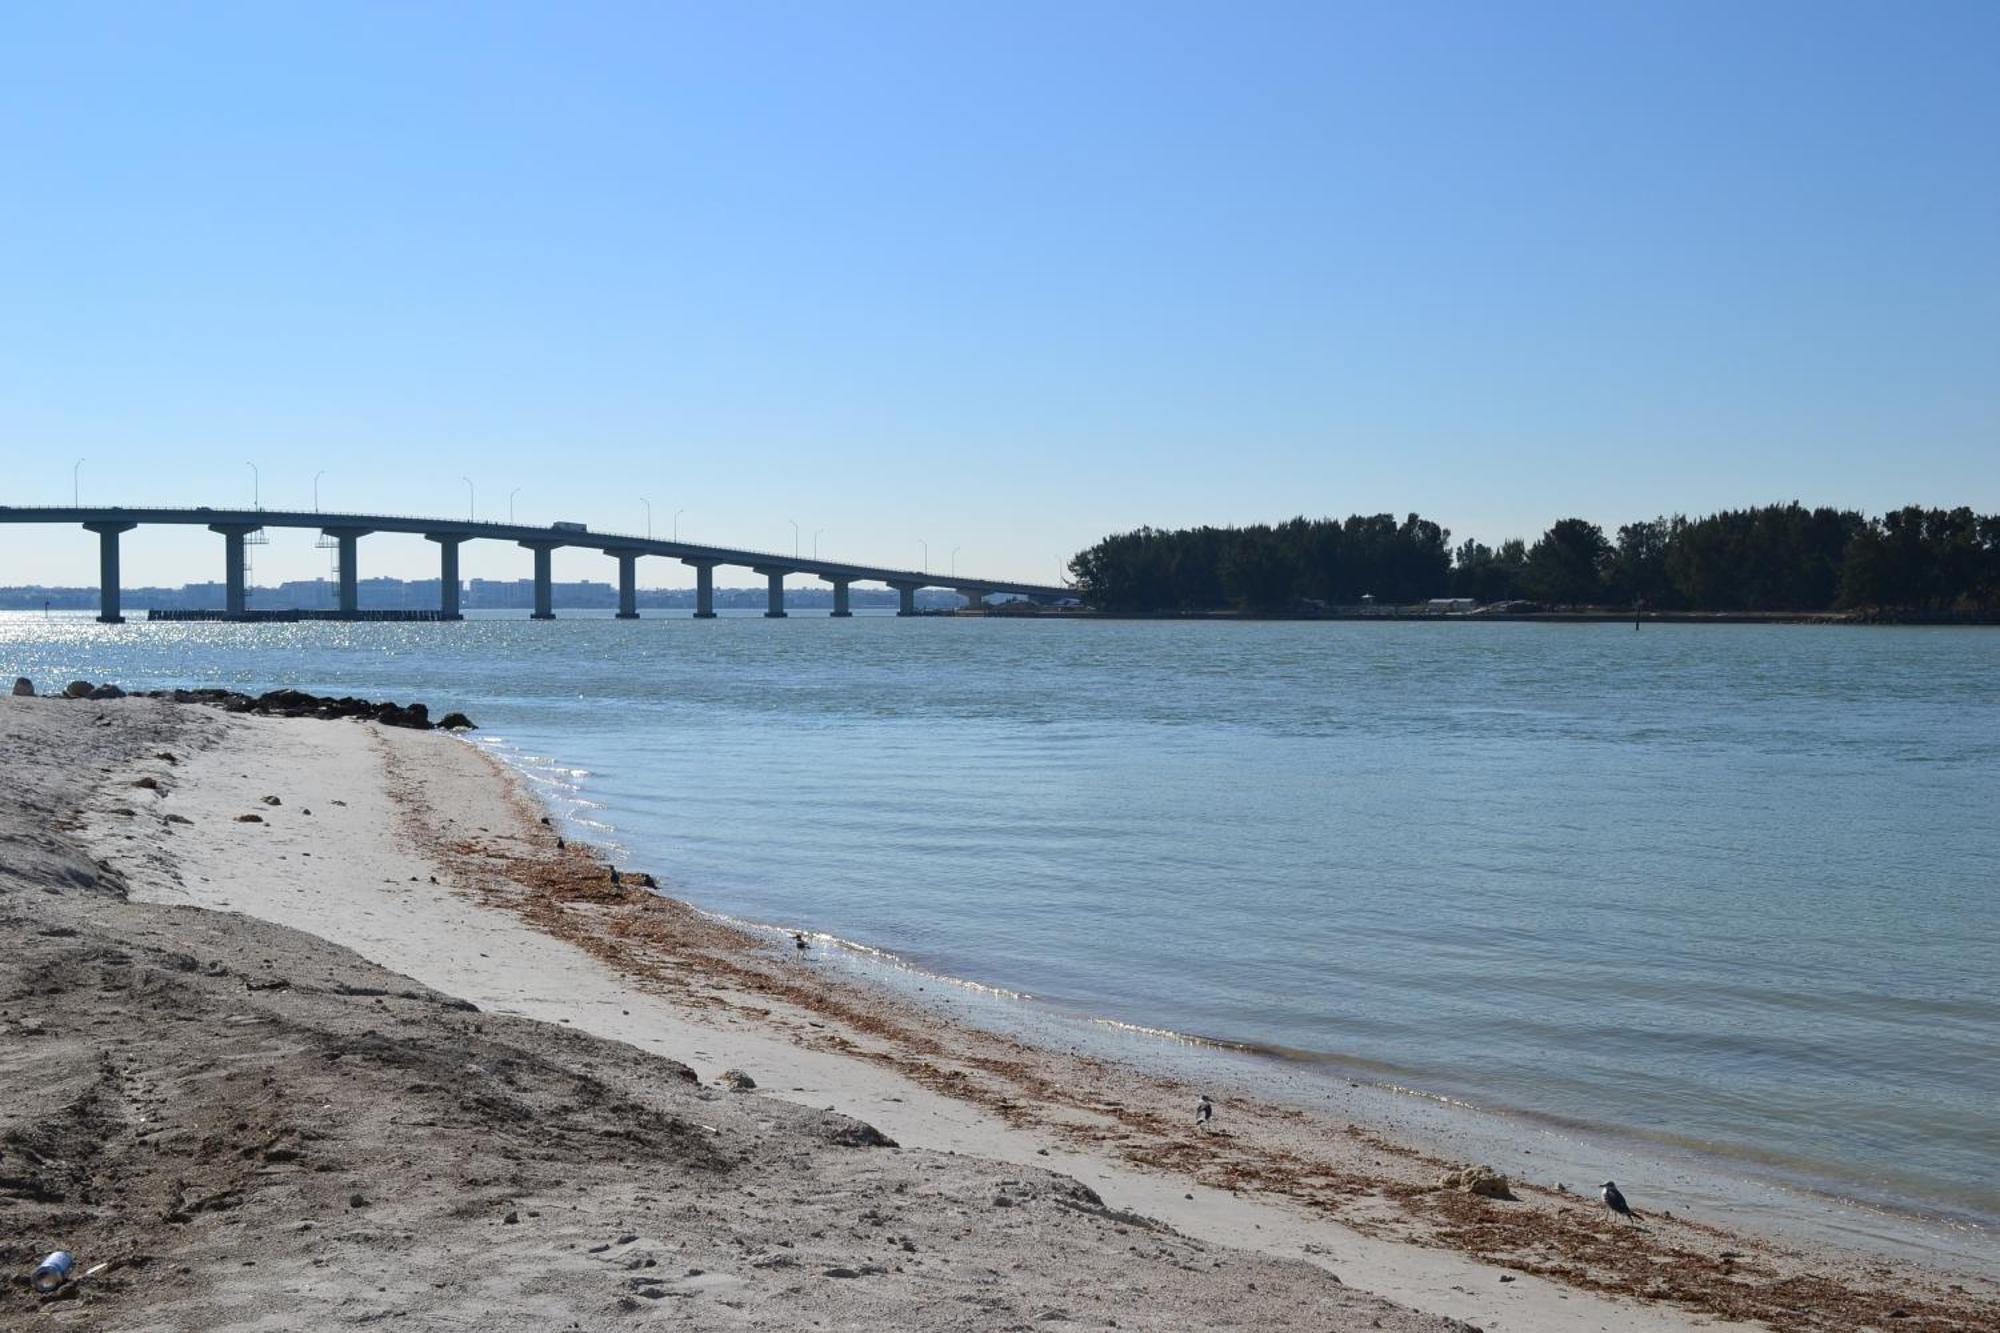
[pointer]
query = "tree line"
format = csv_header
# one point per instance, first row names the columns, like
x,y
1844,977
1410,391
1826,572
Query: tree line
x,y
1770,558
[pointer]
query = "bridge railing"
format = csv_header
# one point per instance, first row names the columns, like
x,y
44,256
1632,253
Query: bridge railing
x,y
733,555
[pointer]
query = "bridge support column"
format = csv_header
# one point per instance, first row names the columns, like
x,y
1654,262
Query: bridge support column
x,y
704,589
975,599
350,574
234,576
346,541
233,565
448,584
544,584
840,598
906,598
107,570
774,606
628,583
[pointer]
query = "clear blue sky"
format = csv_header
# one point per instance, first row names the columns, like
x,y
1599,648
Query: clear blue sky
x,y
1004,277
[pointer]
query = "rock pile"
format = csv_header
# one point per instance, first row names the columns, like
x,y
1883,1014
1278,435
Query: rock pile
x,y
275,703
76,689
297,703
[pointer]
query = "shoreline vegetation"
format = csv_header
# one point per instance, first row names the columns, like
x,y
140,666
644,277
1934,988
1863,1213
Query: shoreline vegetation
x,y
470,1132
1777,562
1529,613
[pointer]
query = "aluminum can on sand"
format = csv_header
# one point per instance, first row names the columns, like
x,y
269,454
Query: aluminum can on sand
x,y
53,1272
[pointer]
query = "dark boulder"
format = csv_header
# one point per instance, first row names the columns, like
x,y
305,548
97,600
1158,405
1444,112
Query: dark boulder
x,y
415,716
283,700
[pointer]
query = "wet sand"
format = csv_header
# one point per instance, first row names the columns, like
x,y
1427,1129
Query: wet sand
x,y
518,926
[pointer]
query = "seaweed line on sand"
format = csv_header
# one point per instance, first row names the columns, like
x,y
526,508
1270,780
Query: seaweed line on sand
x,y
1372,1184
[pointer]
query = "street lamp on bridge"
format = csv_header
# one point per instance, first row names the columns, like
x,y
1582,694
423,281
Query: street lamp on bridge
x,y
471,499
256,487
510,503
316,476
75,483
649,516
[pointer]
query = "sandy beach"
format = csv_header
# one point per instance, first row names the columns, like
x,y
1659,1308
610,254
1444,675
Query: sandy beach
x,y
314,1023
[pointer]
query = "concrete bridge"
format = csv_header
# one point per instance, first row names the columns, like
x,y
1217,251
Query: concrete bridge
x,y
347,530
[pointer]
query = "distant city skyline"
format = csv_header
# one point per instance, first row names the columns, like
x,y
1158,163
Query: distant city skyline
x,y
993,281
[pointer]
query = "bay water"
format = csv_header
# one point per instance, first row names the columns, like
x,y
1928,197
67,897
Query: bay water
x,y
1734,890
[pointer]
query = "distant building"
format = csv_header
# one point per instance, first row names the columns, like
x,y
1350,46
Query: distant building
x,y
1451,604
304,594
494,593
204,596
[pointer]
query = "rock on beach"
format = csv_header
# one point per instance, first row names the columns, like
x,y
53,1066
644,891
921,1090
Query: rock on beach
x,y
1483,1181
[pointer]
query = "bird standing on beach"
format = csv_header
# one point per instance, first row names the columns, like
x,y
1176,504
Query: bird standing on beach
x,y
615,879
1204,1112
1616,1202
799,942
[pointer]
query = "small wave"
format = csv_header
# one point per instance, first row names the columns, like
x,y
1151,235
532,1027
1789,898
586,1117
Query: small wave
x,y
1286,1054
557,786
1178,1038
1426,1095
869,953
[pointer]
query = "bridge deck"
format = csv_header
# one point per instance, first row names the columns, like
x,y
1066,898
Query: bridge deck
x,y
764,562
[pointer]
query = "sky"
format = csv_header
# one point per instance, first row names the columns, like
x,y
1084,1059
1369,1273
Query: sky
x,y
987,280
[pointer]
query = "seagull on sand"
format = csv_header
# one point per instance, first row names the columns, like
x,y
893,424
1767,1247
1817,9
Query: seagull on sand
x,y
1204,1112
1616,1202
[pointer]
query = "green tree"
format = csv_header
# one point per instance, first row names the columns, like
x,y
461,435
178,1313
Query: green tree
x,y
1566,566
1257,573
1638,567
1484,574
1765,558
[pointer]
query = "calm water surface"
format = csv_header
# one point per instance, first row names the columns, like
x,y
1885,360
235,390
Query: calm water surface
x,y
1732,888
